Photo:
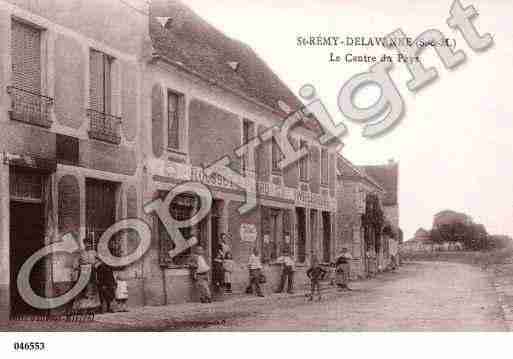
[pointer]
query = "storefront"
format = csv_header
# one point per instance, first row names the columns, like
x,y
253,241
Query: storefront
x,y
285,220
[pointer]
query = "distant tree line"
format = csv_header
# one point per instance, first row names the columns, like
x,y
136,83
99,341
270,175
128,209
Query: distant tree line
x,y
473,236
449,227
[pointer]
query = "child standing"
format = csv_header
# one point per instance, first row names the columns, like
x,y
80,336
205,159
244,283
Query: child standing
x,y
199,270
229,267
121,292
315,273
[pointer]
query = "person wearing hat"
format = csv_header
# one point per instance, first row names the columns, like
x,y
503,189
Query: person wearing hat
x,y
199,271
287,272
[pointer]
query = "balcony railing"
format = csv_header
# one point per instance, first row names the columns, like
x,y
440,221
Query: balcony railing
x,y
104,127
30,107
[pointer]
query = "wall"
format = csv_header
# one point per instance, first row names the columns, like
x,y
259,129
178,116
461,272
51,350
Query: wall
x,y
214,133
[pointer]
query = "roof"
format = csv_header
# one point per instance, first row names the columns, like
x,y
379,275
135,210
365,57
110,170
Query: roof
x,y
347,170
190,42
387,175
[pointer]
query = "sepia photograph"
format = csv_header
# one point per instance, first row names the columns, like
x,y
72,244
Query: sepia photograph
x,y
238,166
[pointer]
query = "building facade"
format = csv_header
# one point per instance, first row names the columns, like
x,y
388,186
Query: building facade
x,y
105,107
203,109
70,114
367,218
358,195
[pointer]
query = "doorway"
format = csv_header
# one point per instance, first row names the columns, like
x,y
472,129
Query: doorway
x,y
313,233
27,229
27,233
100,213
301,234
326,237
215,227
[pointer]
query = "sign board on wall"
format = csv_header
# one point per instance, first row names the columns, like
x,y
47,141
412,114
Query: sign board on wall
x,y
248,232
184,172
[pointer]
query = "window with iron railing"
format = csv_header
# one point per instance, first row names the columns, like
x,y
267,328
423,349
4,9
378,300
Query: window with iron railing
x,y
28,104
30,107
104,125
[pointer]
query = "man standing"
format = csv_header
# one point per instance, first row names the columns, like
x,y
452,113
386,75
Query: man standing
x,y
287,273
255,273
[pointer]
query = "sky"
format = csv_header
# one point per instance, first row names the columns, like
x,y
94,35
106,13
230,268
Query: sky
x,y
454,143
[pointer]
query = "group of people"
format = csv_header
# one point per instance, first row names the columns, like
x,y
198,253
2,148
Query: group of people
x,y
342,270
106,291
223,267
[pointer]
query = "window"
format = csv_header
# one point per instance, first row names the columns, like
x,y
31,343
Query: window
x,y
175,117
248,128
104,125
100,82
276,155
303,163
324,166
182,207
28,103
67,149
26,57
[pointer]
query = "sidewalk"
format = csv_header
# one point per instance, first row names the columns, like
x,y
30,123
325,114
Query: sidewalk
x,y
190,316
195,316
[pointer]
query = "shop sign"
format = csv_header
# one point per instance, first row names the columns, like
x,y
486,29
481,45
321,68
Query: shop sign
x,y
248,232
185,172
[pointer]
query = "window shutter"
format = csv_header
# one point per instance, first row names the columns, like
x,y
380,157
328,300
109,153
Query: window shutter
x,y
96,88
173,119
26,56
107,80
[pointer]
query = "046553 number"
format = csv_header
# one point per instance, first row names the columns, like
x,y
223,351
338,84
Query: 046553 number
x,y
29,346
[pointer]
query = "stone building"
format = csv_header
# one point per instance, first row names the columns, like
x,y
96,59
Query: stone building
x,y
106,106
367,217
354,188
203,107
